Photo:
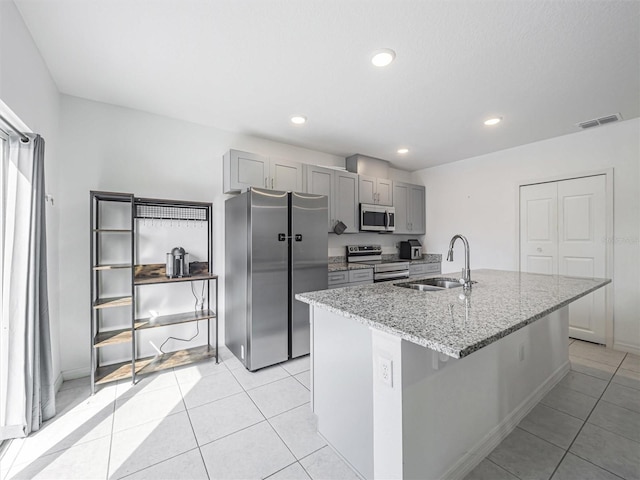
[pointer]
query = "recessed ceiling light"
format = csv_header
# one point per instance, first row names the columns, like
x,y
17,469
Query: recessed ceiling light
x,y
298,119
493,121
402,151
383,57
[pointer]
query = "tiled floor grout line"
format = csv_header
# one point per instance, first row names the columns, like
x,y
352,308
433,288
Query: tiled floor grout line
x,y
113,421
562,411
186,410
502,468
204,464
232,433
585,422
283,468
13,460
294,376
213,401
268,422
158,463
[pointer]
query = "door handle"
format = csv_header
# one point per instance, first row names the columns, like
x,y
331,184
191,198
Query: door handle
x,y
272,184
266,183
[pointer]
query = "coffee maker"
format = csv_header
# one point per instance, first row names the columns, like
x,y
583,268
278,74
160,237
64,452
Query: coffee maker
x,y
411,249
177,263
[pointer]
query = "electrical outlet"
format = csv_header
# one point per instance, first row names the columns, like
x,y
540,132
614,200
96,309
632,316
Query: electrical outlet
x,y
386,371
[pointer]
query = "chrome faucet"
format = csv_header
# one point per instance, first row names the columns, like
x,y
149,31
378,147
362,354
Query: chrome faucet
x,y
466,273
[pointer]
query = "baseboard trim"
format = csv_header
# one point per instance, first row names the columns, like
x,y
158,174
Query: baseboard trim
x,y
484,447
625,347
76,373
58,383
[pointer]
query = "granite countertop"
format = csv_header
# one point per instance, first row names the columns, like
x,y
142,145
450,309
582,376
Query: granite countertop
x,y
501,302
338,264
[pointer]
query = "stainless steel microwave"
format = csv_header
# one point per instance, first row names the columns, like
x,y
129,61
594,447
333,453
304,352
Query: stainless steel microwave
x,y
377,218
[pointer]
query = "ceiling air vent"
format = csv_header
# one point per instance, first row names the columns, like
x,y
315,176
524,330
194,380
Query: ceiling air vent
x,y
600,121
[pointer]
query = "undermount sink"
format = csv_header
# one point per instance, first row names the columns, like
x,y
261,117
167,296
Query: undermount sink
x,y
431,284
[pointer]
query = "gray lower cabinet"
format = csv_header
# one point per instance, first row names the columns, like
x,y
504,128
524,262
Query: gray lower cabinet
x,y
342,189
418,269
409,203
350,278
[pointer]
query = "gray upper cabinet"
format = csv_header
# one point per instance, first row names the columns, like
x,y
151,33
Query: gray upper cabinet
x,y
376,191
342,190
285,175
243,170
409,203
345,201
321,182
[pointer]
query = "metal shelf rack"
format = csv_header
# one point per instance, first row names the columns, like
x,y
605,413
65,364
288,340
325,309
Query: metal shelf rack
x,y
141,276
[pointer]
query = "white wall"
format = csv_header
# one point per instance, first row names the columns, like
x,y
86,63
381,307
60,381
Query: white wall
x,y
478,197
105,147
27,88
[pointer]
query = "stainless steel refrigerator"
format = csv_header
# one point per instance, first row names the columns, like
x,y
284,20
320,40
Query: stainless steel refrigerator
x,y
275,246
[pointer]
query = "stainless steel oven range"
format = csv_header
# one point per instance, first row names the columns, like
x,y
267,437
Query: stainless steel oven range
x,y
383,270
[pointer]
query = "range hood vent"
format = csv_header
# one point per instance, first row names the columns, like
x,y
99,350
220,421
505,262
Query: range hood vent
x,y
364,165
600,121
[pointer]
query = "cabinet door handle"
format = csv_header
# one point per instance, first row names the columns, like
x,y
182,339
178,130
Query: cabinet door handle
x,y
272,184
266,184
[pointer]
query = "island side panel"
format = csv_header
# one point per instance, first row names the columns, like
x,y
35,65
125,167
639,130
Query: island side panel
x,y
342,387
456,411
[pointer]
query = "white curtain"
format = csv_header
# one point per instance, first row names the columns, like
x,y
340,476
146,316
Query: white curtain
x,y
27,395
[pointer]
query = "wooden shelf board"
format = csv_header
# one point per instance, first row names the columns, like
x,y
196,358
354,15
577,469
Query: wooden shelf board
x,y
109,302
174,319
119,371
112,266
113,337
156,273
154,280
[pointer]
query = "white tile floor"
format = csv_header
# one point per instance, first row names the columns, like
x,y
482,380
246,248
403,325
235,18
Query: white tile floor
x,y
587,427
209,421
202,421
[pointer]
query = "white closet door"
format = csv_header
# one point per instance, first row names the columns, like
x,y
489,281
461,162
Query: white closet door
x,y
582,249
539,228
562,231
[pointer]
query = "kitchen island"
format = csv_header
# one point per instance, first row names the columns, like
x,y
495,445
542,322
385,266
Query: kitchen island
x,y
413,384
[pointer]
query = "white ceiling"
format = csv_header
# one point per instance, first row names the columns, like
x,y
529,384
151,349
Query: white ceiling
x,y
248,65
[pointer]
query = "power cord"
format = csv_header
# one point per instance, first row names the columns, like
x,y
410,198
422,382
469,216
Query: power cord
x,y
199,301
